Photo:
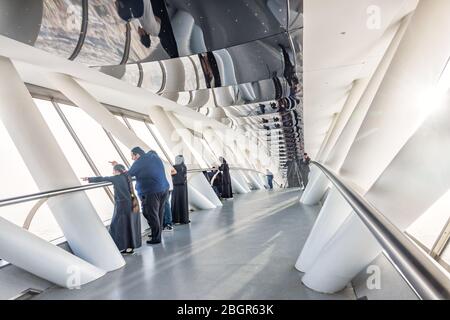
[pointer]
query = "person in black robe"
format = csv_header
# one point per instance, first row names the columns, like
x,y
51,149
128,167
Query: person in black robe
x,y
180,204
125,228
227,191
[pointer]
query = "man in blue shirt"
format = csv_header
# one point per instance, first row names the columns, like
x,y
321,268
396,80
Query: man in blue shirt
x,y
152,188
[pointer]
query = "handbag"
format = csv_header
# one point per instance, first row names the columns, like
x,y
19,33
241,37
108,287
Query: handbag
x,y
135,208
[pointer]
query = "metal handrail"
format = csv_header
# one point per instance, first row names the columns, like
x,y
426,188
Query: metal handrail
x,y
426,279
62,191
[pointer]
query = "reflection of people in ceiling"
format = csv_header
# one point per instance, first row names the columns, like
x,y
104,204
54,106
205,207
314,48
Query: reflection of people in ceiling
x,y
210,69
153,19
289,68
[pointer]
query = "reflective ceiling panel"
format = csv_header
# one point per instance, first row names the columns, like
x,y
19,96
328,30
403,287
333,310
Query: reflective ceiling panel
x,y
238,61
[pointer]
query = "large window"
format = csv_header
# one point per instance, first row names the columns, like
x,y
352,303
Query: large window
x,y
86,147
143,132
94,140
16,181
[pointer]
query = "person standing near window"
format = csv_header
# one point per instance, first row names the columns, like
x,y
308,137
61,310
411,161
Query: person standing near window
x,y
269,176
125,228
304,169
227,191
168,224
180,203
152,187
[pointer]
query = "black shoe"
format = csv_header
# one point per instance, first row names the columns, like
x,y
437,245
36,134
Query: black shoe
x,y
127,251
153,241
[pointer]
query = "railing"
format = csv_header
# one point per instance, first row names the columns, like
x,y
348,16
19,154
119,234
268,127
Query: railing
x,y
62,191
425,278
43,196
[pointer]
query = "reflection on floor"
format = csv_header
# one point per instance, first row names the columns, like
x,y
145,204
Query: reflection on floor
x,y
244,250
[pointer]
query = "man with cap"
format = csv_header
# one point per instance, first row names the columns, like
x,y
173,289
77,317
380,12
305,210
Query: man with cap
x,y
152,187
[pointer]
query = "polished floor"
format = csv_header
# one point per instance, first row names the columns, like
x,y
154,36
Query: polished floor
x,y
245,250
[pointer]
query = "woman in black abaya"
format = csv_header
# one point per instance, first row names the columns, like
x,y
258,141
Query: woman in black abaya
x,y
227,191
180,204
125,228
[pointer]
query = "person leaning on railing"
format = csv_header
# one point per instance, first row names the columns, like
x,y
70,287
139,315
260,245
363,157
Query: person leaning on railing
x,y
125,228
152,187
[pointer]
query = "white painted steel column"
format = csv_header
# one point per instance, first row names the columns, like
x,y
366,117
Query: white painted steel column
x,y
332,214
406,85
197,182
218,148
227,138
335,157
74,213
335,265
43,259
240,179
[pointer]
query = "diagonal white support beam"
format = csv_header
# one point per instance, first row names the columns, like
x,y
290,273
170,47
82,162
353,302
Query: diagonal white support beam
x,y
74,213
43,259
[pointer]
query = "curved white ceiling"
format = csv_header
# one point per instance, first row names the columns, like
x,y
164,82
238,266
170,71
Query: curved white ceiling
x,y
340,48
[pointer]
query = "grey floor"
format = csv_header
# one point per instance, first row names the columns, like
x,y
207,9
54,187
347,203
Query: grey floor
x,y
244,250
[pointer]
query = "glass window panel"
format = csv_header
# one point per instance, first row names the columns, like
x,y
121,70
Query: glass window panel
x,y
93,138
17,180
45,225
445,256
427,228
142,132
162,141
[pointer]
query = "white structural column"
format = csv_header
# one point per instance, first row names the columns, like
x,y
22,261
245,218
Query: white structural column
x,y
338,151
238,146
238,178
229,147
202,195
384,132
74,213
333,213
416,193
335,266
105,118
43,259
358,88
85,101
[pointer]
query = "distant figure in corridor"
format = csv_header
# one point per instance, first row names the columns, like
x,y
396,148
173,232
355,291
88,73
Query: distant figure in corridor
x,y
304,169
227,191
168,223
152,187
125,228
153,20
180,204
269,176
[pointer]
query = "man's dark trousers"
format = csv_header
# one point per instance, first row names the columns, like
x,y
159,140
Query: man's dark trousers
x,y
153,211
